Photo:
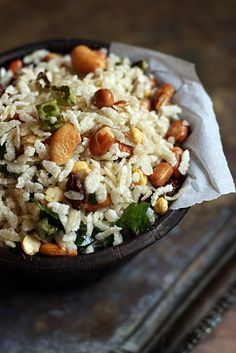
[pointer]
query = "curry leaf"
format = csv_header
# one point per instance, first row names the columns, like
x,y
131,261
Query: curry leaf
x,y
83,239
45,212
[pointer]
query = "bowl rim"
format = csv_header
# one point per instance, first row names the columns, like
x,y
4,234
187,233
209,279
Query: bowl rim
x,y
101,258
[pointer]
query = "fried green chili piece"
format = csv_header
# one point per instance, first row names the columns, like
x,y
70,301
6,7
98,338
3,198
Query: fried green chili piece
x,y
47,111
64,95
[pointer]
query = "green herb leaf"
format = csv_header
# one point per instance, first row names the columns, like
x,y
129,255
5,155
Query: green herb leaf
x,y
64,95
45,230
134,219
45,212
82,239
46,111
143,64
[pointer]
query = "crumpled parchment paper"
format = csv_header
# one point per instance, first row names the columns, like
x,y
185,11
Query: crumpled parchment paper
x,y
208,176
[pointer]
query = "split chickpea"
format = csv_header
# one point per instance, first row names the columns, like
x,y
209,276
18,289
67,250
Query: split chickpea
x,y
161,205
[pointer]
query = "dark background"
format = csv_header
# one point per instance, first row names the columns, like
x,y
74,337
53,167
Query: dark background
x,y
202,31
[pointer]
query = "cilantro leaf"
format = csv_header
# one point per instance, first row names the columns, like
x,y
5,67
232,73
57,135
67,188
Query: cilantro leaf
x,y
134,219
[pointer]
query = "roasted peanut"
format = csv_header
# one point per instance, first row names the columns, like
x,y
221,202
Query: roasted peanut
x,y
103,98
161,205
51,56
30,244
85,60
126,148
97,206
81,169
161,174
145,103
54,194
142,178
136,135
178,154
101,141
120,106
179,130
63,143
101,53
50,249
121,102
15,66
162,95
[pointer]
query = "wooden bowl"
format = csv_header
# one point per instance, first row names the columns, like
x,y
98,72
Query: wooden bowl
x,y
89,266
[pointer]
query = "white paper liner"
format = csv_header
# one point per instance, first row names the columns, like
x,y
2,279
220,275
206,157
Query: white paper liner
x,y
208,175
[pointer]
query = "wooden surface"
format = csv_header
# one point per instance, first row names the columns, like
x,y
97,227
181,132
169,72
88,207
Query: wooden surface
x,y
202,32
222,339
152,303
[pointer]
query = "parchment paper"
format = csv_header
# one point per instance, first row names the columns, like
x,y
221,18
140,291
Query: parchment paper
x,y
208,176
